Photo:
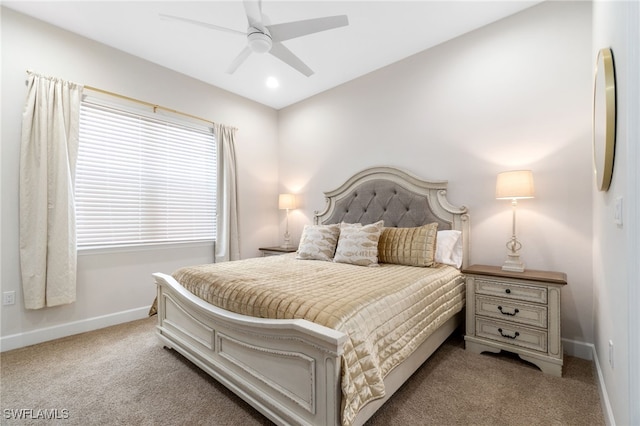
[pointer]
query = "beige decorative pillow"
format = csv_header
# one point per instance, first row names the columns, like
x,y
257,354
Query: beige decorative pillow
x,y
358,244
409,246
318,242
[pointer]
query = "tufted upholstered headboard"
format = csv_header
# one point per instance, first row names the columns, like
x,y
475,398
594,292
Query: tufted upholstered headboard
x,y
400,199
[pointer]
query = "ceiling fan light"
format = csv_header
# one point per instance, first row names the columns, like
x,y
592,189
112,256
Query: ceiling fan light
x,y
259,42
272,83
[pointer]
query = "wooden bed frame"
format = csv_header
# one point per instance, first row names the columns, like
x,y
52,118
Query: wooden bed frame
x,y
289,370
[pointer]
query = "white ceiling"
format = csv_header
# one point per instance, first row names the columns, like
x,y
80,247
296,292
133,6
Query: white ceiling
x,y
379,33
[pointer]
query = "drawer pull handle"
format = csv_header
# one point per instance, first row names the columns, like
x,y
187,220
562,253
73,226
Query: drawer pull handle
x,y
507,336
515,311
508,291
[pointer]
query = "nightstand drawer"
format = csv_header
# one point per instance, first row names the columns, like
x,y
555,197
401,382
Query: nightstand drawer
x,y
512,311
512,334
509,290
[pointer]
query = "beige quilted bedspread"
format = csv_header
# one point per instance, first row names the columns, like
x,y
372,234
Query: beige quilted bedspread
x,y
386,311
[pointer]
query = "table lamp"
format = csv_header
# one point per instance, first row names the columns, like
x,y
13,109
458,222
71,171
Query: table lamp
x,y
514,185
287,202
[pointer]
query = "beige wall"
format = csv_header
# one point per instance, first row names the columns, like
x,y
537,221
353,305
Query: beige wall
x,y
514,94
616,249
115,286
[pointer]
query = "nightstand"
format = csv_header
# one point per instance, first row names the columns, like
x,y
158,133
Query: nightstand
x,y
276,251
517,312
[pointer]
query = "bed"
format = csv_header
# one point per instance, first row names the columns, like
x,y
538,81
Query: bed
x,y
301,371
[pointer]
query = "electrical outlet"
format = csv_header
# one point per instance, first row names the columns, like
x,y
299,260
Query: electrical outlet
x,y
611,353
9,298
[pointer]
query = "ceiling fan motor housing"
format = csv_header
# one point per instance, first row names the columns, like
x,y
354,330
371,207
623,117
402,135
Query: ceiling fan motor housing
x,y
259,41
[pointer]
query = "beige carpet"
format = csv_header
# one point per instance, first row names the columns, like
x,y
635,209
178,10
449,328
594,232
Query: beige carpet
x,y
119,376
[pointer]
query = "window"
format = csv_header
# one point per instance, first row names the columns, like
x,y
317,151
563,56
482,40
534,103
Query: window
x,y
143,179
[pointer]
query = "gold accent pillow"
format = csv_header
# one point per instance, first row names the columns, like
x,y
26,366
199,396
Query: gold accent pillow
x,y
358,244
318,242
409,246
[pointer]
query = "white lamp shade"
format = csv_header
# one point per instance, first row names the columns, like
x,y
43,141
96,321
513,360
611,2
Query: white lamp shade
x,y
286,201
514,185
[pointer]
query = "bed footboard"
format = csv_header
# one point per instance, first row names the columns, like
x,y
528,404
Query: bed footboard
x,y
289,370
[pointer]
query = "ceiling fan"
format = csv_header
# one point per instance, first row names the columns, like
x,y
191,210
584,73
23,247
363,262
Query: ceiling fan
x,y
265,38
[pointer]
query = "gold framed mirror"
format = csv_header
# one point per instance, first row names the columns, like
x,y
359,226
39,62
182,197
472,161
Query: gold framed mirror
x,y
604,119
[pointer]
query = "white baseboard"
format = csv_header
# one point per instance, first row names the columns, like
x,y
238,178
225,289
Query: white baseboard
x,y
607,411
578,349
588,351
33,337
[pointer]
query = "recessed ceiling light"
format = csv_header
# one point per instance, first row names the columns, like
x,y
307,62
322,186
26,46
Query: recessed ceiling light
x,y
272,83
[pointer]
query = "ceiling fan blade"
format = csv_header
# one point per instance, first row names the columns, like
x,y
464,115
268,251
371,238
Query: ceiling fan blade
x,y
202,24
289,30
244,54
253,8
285,55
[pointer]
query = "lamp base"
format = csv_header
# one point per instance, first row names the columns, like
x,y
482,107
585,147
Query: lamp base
x,y
287,240
513,264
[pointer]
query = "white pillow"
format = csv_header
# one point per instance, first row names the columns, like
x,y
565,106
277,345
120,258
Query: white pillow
x,y
449,248
358,244
318,242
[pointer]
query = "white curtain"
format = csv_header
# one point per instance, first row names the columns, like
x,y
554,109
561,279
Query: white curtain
x,y
48,155
228,238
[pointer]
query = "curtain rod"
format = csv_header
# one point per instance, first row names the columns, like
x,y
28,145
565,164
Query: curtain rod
x,y
149,104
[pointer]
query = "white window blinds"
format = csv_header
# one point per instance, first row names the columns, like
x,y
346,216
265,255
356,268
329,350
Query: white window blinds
x,y
143,180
